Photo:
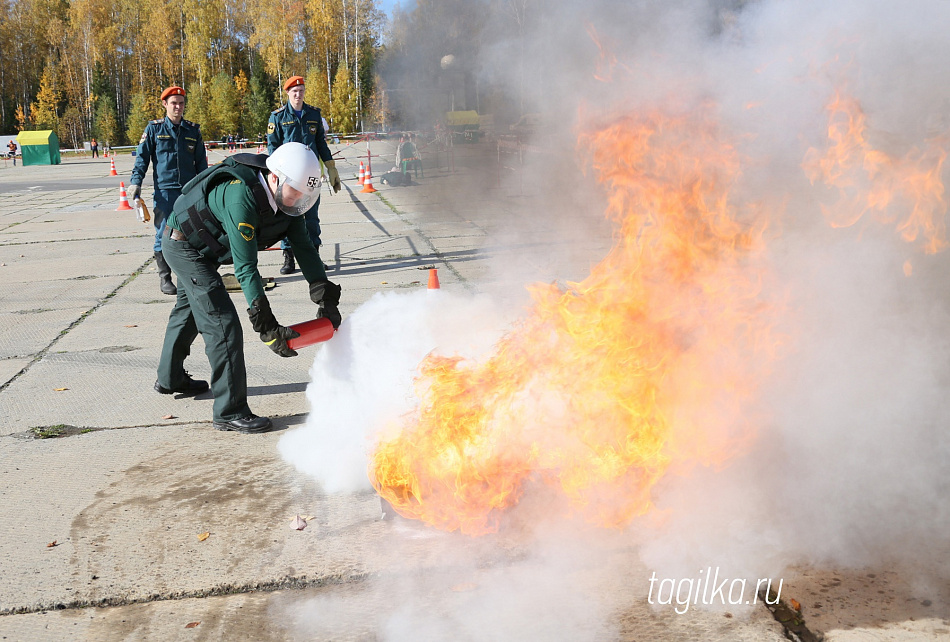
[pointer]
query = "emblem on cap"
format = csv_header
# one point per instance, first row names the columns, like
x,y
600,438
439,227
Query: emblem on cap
x,y
173,91
293,81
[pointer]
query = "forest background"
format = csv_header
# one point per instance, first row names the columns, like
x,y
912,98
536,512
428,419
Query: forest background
x,y
95,68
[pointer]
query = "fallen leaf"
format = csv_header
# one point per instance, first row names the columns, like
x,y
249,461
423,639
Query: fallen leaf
x,y
299,523
60,389
795,604
169,417
414,282
131,326
52,544
384,282
192,625
203,536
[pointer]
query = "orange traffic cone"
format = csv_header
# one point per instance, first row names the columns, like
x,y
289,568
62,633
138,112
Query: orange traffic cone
x,y
368,183
112,172
123,198
433,279
362,174
261,149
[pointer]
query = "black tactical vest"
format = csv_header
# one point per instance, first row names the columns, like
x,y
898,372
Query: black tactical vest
x,y
195,219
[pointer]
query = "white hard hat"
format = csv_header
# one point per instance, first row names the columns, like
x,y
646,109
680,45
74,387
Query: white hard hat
x,y
296,167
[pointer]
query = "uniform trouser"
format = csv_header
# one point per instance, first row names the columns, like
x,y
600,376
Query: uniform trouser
x,y
163,204
204,306
312,218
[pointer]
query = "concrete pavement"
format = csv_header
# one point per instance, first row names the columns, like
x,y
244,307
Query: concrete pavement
x,y
99,527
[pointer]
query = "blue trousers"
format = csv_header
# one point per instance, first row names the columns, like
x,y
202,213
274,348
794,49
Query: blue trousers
x,y
162,207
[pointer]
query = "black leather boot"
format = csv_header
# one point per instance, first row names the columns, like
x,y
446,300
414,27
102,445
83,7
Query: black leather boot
x,y
289,267
165,275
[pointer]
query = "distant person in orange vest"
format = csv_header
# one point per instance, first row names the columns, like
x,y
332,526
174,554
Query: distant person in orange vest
x,y
94,146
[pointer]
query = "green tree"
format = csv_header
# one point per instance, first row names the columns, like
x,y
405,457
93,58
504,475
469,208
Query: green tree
x,y
258,105
106,125
196,110
224,105
139,115
345,102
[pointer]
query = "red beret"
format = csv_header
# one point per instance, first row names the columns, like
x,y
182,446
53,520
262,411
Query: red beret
x,y
173,91
293,81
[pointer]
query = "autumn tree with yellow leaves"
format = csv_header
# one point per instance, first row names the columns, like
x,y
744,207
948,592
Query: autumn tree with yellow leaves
x,y
97,67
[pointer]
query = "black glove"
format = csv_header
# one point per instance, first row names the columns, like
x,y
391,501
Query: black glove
x,y
272,333
136,192
276,340
326,294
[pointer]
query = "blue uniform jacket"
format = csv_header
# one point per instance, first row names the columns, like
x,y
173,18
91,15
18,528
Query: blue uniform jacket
x,y
284,127
177,154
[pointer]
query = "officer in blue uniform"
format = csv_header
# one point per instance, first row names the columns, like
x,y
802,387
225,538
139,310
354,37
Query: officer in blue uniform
x,y
298,122
177,153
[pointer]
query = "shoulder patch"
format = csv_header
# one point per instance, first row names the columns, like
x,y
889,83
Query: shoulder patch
x,y
157,121
247,231
270,128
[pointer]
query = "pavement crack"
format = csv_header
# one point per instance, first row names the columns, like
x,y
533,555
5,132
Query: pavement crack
x,y
266,586
434,250
82,317
791,619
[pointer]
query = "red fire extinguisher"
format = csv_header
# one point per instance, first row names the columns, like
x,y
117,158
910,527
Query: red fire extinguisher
x,y
313,331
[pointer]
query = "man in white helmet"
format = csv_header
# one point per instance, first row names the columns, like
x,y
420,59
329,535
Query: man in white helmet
x,y
227,214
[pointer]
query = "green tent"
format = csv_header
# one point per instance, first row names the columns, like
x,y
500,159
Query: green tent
x,y
39,148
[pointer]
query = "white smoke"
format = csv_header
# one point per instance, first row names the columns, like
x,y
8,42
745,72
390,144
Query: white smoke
x,y
850,467
363,378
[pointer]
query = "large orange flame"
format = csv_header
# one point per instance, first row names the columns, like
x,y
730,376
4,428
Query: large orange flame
x,y
607,383
907,189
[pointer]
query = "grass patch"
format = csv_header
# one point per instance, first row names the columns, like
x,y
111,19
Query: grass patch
x,y
49,432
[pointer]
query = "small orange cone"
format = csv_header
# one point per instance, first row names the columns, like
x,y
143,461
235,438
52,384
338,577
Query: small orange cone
x,y
362,174
112,172
368,183
123,198
261,149
433,279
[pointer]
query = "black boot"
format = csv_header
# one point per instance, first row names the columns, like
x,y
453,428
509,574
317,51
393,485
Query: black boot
x,y
165,275
289,267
